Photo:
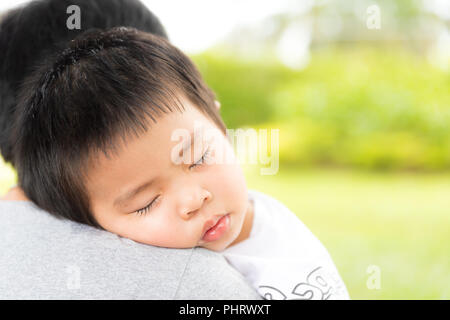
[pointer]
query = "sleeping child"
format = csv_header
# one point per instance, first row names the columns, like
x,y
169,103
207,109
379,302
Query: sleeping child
x,y
119,131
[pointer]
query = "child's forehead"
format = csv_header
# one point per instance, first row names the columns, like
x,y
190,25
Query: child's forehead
x,y
159,137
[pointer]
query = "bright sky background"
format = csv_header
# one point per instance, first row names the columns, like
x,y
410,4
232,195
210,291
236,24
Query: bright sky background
x,y
195,25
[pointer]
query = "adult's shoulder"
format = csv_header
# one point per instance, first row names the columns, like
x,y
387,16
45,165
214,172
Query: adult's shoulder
x,y
44,257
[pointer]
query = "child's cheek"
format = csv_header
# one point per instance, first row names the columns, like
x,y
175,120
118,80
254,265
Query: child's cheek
x,y
226,177
229,181
164,232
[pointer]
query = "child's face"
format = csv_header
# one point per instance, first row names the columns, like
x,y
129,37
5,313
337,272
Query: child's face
x,y
186,198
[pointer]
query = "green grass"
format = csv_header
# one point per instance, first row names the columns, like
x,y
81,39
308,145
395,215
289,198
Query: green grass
x,y
398,222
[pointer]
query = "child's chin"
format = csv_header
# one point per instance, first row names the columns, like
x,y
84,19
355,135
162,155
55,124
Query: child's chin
x,y
217,247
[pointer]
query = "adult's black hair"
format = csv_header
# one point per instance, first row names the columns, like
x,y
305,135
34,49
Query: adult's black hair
x,y
33,31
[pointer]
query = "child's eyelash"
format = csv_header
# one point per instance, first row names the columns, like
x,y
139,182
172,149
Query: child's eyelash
x,y
202,159
147,208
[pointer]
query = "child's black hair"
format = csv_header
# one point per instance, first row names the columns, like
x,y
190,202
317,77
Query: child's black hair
x,y
106,87
32,31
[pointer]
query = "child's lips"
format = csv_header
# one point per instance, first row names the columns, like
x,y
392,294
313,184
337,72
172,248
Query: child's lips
x,y
210,223
213,230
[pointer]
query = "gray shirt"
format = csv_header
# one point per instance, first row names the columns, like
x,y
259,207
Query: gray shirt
x,y
43,257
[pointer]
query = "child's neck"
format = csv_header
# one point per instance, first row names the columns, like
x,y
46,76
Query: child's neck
x,y
247,225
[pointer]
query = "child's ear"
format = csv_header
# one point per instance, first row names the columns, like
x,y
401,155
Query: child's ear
x,y
217,104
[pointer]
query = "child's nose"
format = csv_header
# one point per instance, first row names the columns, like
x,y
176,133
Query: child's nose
x,y
192,202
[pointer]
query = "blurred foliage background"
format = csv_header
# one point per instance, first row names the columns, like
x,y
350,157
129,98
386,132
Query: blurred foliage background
x,y
364,120
360,93
358,107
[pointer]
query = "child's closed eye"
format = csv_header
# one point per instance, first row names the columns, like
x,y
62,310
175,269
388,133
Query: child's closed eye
x,y
147,208
202,159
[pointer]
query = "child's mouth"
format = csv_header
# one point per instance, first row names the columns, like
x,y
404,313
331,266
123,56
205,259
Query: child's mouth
x,y
218,229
